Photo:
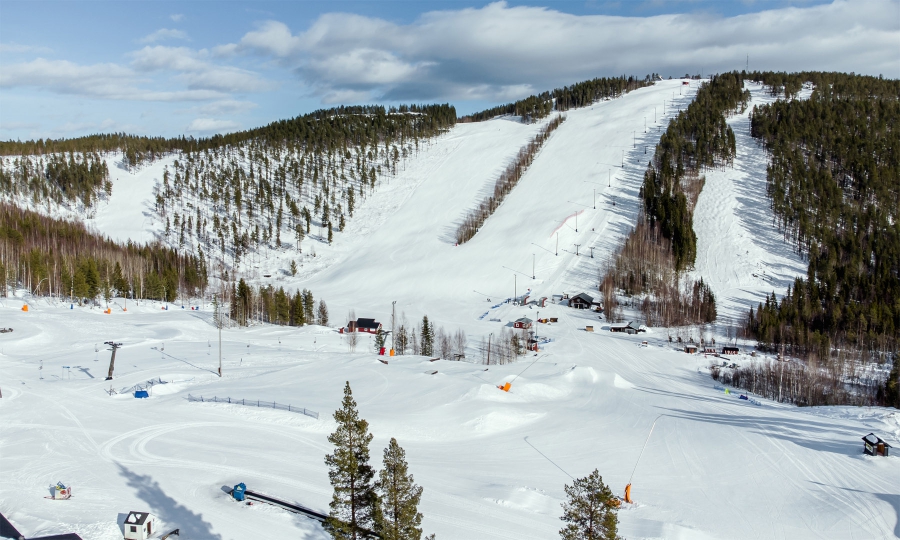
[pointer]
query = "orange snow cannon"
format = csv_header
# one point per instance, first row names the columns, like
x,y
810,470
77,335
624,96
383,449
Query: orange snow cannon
x,y
628,494
505,387
25,308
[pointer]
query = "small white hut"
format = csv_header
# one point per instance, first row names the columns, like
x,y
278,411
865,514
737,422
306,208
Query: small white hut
x,y
139,525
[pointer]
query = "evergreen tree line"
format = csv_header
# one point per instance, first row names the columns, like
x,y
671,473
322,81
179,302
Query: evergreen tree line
x,y
644,269
834,183
60,258
508,179
266,304
56,178
580,94
697,138
317,131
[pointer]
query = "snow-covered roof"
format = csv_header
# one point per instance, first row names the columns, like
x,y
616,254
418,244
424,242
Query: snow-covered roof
x,y
871,438
524,320
137,518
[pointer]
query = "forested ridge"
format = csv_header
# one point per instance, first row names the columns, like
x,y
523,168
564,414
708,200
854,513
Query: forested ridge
x,y
58,178
834,183
318,130
562,99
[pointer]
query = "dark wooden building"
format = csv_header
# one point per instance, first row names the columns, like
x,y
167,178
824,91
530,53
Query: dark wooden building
x,y
364,325
581,301
873,445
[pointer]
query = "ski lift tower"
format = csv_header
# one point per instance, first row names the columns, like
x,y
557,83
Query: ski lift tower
x,y
112,360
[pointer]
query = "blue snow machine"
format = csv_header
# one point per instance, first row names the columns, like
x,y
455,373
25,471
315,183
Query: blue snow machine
x,y
238,492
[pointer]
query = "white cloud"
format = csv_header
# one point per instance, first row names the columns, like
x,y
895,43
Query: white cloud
x,y
19,48
502,52
211,125
223,107
177,17
164,34
104,81
196,71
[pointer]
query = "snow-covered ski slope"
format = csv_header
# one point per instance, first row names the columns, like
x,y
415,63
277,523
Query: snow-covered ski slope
x,y
740,253
493,464
411,257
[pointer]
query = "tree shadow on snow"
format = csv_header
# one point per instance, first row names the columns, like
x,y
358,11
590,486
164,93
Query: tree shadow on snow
x,y
815,435
192,525
893,499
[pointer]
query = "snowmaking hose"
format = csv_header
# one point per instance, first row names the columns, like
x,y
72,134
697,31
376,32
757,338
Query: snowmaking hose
x,y
628,487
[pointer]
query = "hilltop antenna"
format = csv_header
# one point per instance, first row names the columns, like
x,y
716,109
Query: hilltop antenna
x,y
112,360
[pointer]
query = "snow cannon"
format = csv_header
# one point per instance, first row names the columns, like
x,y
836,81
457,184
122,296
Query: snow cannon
x,y
25,308
238,492
628,494
505,387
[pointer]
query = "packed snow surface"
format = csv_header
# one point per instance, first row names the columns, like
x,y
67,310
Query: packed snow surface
x,y
740,253
493,464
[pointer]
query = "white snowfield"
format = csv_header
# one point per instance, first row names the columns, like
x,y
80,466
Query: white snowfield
x,y
493,464
740,253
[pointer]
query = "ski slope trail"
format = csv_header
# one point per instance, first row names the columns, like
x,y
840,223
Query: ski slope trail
x,y
741,254
581,192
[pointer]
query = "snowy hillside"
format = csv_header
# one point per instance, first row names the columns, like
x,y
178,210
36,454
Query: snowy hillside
x,y
492,464
740,253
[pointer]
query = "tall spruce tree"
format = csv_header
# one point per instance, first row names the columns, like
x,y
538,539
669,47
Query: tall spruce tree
x,y
590,511
427,337
354,503
400,518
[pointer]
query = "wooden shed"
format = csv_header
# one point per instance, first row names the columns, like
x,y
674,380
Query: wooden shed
x,y
139,525
690,349
873,445
730,350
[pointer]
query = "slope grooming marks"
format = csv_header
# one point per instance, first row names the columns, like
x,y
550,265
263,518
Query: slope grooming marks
x,y
741,255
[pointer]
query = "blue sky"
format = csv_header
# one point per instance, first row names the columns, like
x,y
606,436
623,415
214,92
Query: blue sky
x,y
196,68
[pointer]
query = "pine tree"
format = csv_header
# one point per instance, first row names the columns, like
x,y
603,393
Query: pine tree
x,y
589,512
322,314
427,337
330,233
379,340
353,505
400,496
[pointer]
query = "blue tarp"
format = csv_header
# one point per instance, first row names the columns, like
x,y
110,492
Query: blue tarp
x,y
141,394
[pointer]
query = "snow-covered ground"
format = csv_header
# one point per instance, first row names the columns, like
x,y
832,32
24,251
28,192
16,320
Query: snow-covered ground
x,y
740,253
493,464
